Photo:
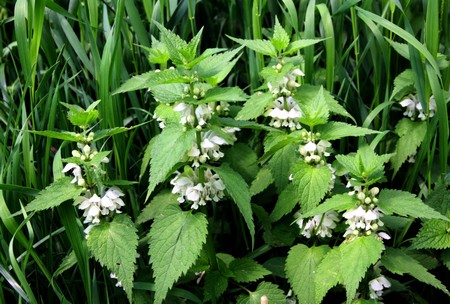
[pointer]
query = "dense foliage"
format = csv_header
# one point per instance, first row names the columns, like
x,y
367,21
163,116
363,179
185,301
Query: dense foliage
x,y
225,151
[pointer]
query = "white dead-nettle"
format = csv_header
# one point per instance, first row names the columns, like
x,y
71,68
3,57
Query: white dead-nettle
x,y
119,283
209,148
76,171
377,285
285,112
287,85
190,189
200,114
333,177
315,153
362,219
161,121
413,107
321,225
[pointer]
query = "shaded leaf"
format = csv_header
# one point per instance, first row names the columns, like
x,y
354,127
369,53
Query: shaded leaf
x,y
270,290
255,106
335,130
247,270
157,206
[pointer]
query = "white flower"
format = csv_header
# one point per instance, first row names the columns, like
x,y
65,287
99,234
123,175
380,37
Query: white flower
x,y
187,113
377,285
78,176
203,113
413,105
410,105
119,283
361,220
210,149
287,84
285,112
111,201
91,207
315,152
321,225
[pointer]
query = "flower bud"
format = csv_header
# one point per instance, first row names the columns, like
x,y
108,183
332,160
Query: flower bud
x,y
86,149
81,182
368,232
279,67
367,200
375,191
76,153
375,200
83,158
361,196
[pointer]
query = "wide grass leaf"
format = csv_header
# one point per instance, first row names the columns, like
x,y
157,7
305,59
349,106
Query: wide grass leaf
x,y
55,194
406,204
168,149
114,245
301,269
312,184
398,262
176,240
270,290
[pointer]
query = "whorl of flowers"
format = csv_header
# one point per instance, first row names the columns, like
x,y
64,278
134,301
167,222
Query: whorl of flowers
x,y
96,201
321,225
365,218
190,189
414,109
285,111
315,150
377,285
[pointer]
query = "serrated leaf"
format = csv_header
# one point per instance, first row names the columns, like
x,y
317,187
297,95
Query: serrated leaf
x,y
434,234
403,84
286,202
314,111
335,130
230,122
445,256
357,256
281,164
157,206
173,43
206,53
280,39
113,131
63,135
306,93
215,285
68,262
158,53
168,93
312,184
301,268
80,117
255,106
328,273
243,159
439,199
262,180
276,266
168,149
338,202
282,234
56,193
215,64
406,204
398,262
147,157
411,135
98,158
294,46
270,290
246,270
150,79
176,240
238,190
114,245
228,94
264,47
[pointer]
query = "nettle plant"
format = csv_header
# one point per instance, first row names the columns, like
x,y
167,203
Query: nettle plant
x,y
299,159
111,236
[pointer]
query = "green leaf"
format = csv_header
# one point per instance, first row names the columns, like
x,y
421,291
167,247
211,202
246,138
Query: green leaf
x,y
63,135
406,204
281,164
114,245
230,122
357,256
314,111
173,43
157,206
151,79
335,130
255,106
228,94
215,285
439,199
262,180
338,202
445,257
58,192
113,131
214,65
306,93
398,262
247,270
280,39
176,240
168,149
294,46
301,267
286,202
411,135
276,266
168,93
403,84
238,190
434,234
158,53
328,273
80,117
270,290
264,47
312,184
243,160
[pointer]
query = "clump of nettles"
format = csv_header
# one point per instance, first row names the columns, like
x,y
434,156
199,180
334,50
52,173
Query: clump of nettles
x,y
97,200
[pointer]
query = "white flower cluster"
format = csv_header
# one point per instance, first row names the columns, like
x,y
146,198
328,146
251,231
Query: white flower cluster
x,y
198,115
288,83
285,112
377,285
315,152
413,106
190,189
321,225
366,217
